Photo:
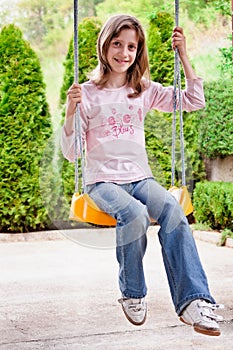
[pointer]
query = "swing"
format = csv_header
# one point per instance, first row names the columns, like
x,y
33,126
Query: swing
x,y
180,193
83,208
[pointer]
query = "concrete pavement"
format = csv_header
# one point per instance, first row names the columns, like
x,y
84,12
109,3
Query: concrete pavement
x,y
62,294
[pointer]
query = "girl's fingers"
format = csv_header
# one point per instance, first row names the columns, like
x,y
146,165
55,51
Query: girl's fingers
x,y
74,93
178,40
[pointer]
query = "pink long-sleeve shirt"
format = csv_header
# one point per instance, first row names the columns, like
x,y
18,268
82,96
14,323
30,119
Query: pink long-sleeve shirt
x,y
113,128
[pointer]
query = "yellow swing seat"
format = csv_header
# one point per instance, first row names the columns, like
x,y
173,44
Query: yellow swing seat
x,y
183,197
84,209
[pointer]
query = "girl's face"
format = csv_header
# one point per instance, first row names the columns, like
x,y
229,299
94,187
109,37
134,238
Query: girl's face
x,y
122,51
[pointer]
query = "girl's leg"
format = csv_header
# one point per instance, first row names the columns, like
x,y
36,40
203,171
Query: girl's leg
x,y
132,223
186,277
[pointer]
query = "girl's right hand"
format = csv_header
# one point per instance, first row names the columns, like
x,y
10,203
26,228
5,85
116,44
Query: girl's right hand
x,y
74,96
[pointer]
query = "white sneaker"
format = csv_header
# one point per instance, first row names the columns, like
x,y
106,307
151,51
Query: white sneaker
x,y
199,314
135,310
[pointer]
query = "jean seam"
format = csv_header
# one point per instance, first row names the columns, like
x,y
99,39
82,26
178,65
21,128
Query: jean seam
x,y
171,272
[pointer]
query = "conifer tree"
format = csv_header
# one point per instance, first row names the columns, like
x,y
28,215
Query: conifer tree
x,y
25,129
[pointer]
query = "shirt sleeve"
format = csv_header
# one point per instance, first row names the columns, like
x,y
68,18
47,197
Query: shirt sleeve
x,y
162,99
67,142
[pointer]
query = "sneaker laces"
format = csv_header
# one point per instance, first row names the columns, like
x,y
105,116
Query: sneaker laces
x,y
208,310
134,304
137,305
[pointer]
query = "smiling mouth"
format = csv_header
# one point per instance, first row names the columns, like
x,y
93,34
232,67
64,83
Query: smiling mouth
x,y
120,61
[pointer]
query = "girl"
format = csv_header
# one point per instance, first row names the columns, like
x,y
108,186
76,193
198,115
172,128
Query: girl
x,y
113,105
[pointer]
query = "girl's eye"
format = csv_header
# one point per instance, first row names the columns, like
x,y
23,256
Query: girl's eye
x,y
116,43
132,47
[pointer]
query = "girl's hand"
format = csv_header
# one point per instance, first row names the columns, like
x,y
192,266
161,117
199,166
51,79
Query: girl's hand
x,y
179,41
74,96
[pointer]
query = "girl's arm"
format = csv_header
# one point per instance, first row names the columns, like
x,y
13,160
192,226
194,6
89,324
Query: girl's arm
x,y
68,135
179,41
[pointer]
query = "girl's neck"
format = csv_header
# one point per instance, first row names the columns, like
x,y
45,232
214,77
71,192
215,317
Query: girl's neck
x,y
115,81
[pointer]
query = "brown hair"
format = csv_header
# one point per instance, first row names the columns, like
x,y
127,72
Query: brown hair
x,y
140,67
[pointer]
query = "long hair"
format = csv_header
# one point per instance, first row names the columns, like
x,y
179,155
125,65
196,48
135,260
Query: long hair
x,y
140,67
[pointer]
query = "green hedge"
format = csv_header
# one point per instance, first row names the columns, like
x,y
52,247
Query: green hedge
x,y
25,129
213,204
215,122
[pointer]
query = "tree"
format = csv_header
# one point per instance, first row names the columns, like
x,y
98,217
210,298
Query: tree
x,y
46,22
161,55
139,8
25,129
88,33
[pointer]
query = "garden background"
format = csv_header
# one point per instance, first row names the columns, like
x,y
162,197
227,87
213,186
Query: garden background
x,y
36,69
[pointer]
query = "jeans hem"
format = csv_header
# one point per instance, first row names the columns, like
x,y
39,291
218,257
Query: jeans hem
x,y
133,296
184,303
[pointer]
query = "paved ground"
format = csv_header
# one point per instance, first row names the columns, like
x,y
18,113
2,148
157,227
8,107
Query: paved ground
x,y
62,295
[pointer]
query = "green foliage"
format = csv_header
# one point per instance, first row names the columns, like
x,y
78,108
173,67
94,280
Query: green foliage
x,y
139,8
216,120
226,233
226,60
223,6
160,52
88,32
158,145
213,204
25,128
45,22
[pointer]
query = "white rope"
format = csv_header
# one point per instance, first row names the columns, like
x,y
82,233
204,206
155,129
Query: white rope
x,y
177,84
78,131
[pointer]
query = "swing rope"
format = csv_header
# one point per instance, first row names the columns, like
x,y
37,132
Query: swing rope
x,y
78,146
177,85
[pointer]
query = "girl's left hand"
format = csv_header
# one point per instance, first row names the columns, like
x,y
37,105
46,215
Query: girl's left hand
x,y
179,41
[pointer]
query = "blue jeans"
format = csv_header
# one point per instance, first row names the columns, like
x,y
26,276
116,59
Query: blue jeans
x,y
133,205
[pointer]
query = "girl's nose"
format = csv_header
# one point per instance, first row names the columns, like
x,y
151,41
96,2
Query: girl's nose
x,y
124,50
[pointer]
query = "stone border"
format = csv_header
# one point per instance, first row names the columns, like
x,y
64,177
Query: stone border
x,y
31,236
213,237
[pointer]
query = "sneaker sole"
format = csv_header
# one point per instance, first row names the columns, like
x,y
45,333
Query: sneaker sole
x,y
211,332
132,321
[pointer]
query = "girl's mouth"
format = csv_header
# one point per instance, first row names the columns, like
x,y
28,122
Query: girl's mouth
x,y
120,61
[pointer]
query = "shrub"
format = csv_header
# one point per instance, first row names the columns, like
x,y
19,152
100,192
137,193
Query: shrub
x,y
25,128
216,120
160,52
213,204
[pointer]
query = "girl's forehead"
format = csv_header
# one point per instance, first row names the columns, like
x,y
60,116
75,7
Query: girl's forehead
x,y
127,33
